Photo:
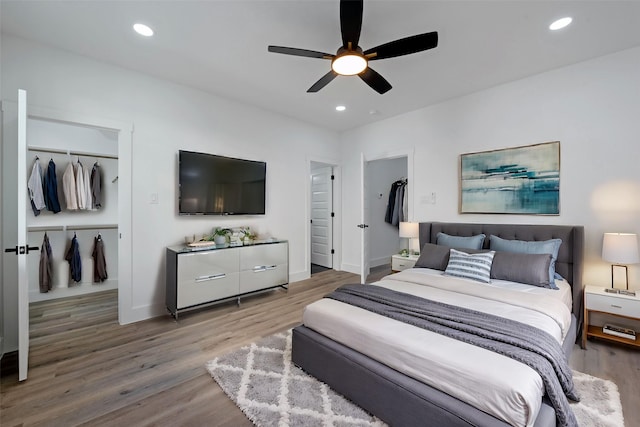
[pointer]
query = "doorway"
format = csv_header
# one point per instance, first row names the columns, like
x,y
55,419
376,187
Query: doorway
x,y
322,214
381,240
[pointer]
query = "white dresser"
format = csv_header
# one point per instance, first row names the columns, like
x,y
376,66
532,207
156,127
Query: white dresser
x,y
196,277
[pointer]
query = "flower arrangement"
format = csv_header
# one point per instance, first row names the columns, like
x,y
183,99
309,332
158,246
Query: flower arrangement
x,y
246,235
220,235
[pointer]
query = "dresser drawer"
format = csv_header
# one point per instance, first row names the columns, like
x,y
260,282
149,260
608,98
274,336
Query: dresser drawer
x,y
608,304
263,255
203,265
206,289
263,277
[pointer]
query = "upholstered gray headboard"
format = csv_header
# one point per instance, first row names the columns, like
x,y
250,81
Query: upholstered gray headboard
x,y
570,257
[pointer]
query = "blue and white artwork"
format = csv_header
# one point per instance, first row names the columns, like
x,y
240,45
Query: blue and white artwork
x,y
520,180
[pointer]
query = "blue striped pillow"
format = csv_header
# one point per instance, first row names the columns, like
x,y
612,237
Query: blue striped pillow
x,y
470,266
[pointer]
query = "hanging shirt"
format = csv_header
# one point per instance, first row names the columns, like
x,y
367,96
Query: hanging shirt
x,y
51,188
46,266
96,186
35,188
69,188
86,188
75,263
80,193
99,263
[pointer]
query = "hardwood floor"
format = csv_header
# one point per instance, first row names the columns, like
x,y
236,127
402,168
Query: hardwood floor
x,y
85,369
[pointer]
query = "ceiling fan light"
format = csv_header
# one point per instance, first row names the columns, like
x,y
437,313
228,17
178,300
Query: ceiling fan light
x,y
349,64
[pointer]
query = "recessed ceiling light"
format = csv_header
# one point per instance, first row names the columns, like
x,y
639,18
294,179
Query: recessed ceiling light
x,y
560,23
143,30
341,108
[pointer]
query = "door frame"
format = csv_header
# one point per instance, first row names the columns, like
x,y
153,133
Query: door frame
x,y
337,219
365,158
125,252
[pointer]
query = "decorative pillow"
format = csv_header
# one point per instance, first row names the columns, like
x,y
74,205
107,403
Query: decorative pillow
x,y
433,256
531,269
472,242
470,266
550,247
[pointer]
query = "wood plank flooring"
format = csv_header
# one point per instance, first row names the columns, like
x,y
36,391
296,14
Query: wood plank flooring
x,y
87,370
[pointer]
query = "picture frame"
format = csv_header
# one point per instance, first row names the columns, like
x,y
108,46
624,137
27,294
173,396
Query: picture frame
x,y
521,180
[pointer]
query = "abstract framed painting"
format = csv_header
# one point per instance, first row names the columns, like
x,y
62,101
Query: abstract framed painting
x,y
519,180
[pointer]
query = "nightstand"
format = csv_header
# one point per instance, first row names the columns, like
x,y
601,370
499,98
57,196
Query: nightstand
x,y
623,306
399,262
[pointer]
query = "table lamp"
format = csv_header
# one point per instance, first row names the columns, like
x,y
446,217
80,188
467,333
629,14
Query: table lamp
x,y
409,230
620,249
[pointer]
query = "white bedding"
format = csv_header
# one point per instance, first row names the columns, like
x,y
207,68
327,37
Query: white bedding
x,y
496,384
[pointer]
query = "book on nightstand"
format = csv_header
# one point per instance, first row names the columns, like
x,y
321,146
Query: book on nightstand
x,y
619,331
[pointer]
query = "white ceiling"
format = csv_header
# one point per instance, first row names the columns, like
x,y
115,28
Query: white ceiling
x,y
221,46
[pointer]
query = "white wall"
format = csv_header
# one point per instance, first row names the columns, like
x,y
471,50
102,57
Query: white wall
x,y
592,108
383,238
168,117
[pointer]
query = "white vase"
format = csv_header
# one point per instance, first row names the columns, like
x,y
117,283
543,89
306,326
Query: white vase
x,y
220,240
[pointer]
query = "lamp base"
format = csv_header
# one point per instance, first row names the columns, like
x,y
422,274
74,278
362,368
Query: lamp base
x,y
626,275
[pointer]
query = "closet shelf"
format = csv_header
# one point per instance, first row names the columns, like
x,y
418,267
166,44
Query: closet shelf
x,y
72,153
72,227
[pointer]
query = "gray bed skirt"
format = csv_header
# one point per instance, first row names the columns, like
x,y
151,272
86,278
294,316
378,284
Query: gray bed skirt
x,y
390,395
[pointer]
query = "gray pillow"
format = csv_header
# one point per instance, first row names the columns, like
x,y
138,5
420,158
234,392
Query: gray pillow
x,y
470,266
471,242
433,256
531,269
550,247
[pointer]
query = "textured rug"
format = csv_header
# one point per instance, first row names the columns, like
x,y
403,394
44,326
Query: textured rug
x,y
272,391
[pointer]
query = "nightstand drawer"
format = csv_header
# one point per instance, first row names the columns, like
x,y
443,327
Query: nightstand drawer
x,y
608,304
401,263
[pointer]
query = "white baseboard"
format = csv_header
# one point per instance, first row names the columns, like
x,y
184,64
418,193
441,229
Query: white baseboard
x,y
351,268
380,261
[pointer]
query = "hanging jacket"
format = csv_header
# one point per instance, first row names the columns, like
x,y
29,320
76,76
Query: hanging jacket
x,y
96,186
69,188
86,188
35,188
46,266
75,263
392,202
80,193
99,263
51,188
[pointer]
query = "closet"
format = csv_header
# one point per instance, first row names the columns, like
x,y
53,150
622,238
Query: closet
x,y
65,143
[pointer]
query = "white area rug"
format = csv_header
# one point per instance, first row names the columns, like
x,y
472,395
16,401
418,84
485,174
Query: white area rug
x,y
261,379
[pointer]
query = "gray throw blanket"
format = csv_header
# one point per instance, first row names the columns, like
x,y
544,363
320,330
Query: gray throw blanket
x,y
526,344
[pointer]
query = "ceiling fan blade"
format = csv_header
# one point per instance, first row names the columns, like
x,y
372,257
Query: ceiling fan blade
x,y
375,80
300,52
324,80
405,46
350,22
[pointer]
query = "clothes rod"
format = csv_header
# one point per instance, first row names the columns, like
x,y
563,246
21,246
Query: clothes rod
x,y
73,153
72,227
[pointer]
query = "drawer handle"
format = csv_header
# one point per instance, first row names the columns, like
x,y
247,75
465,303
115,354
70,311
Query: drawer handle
x,y
616,306
261,268
211,277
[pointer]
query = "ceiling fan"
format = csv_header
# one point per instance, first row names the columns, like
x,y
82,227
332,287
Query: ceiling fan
x,y
350,59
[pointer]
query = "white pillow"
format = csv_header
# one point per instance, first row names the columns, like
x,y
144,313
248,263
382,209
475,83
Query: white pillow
x,y
470,266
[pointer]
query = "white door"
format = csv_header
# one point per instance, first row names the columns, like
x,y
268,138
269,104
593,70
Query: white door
x,y
364,224
16,245
321,220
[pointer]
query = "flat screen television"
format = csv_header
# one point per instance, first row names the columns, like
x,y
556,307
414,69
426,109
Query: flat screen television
x,y
217,185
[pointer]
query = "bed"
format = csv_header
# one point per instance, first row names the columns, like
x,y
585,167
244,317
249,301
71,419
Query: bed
x,y
403,393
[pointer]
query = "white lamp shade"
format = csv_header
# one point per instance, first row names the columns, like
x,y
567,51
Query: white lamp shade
x,y
409,230
620,248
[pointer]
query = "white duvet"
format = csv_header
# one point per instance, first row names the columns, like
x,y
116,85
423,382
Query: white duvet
x,y
498,385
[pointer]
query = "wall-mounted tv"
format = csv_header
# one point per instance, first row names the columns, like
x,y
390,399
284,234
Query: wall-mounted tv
x,y
217,185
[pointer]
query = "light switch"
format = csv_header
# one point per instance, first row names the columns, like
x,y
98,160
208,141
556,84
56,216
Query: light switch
x,y
154,199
